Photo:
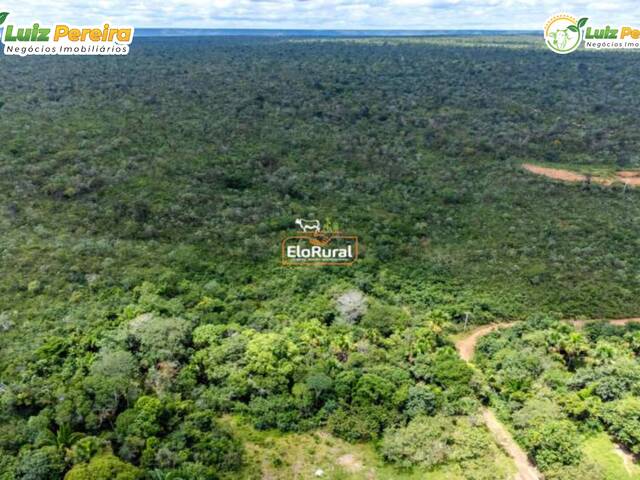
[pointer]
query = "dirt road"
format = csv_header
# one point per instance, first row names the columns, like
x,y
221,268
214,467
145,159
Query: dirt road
x,y
466,347
619,321
526,471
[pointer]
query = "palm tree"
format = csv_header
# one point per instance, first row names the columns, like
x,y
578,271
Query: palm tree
x,y
573,347
64,438
160,475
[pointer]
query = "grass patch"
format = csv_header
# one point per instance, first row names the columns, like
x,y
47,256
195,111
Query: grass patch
x,y
279,456
600,450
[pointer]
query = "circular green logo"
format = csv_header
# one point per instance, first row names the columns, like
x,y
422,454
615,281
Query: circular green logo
x,y
563,33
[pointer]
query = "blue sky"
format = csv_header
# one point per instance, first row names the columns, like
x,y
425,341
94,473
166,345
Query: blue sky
x,y
321,14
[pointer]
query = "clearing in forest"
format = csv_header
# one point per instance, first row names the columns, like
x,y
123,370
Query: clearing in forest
x,y
627,177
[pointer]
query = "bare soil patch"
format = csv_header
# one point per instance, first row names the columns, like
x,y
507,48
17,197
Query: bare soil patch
x,y
555,173
350,463
628,177
629,174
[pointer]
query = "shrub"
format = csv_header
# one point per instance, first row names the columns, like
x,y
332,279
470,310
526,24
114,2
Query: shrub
x,y
553,444
104,467
46,463
622,418
361,423
433,441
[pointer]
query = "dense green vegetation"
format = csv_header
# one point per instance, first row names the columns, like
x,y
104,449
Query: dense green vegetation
x,y
558,386
143,200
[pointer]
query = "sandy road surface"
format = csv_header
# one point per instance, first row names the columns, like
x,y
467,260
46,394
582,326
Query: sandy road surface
x,y
466,346
526,471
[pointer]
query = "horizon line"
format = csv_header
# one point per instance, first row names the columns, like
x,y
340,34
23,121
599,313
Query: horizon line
x,y
347,29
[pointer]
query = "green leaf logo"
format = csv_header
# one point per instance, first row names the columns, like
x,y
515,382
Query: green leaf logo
x,y
3,17
582,22
573,28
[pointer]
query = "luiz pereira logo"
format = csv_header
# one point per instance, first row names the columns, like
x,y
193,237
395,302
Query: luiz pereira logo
x,y
63,39
563,34
315,246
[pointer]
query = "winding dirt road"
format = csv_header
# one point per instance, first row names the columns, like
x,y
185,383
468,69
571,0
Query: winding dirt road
x,y
466,347
526,470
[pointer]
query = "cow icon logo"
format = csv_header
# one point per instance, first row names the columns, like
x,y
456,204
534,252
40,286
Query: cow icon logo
x,y
563,33
314,246
308,225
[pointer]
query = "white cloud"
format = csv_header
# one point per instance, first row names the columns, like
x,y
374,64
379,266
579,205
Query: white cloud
x,y
356,14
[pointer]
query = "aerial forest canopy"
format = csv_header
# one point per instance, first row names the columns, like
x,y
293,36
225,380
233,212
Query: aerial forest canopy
x,y
149,330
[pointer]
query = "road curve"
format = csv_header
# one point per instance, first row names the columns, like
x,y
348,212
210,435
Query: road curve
x,y
466,347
